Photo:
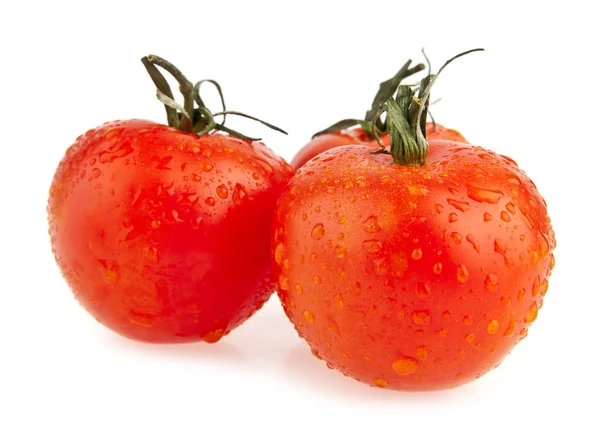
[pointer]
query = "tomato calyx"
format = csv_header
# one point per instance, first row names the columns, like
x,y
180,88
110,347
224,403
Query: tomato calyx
x,y
189,118
406,119
372,123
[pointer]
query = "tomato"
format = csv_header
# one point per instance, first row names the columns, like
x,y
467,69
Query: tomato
x,y
357,135
163,235
414,276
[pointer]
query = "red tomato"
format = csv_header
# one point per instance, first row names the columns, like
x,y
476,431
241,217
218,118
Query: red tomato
x,y
163,235
412,277
357,135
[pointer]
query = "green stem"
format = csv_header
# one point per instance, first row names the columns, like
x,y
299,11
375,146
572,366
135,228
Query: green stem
x,y
187,118
407,116
185,87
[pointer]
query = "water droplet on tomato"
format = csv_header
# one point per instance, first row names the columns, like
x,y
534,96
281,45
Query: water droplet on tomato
x,y
552,262
470,337
371,225
535,289
528,222
298,288
452,217
504,216
471,240
334,328
422,352
111,274
417,254
308,317
468,320
400,314
372,246
279,250
405,365
487,217
339,251
151,253
222,191
462,274
421,317
284,282
544,245
205,166
239,194
110,155
316,280
423,290
521,294
112,133
491,282
210,201
437,268
532,314
511,327
318,231
96,172
213,336
492,326
380,383
456,237
484,195
463,206
544,287
342,219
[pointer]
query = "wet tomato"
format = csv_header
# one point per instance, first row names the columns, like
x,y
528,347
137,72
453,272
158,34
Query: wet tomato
x,y
412,277
163,235
415,271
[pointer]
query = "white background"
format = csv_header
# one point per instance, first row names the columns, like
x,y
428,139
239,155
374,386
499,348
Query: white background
x,y
67,67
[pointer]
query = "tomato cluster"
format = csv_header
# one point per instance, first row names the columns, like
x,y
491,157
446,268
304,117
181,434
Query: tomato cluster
x,y
406,257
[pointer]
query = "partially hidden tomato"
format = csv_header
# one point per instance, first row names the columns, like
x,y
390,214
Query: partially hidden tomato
x,y
163,235
412,273
357,135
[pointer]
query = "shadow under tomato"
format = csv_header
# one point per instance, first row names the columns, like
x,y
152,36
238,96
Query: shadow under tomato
x,y
222,351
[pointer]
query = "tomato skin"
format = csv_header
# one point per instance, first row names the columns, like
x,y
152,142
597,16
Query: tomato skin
x,y
357,135
412,278
324,142
163,235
